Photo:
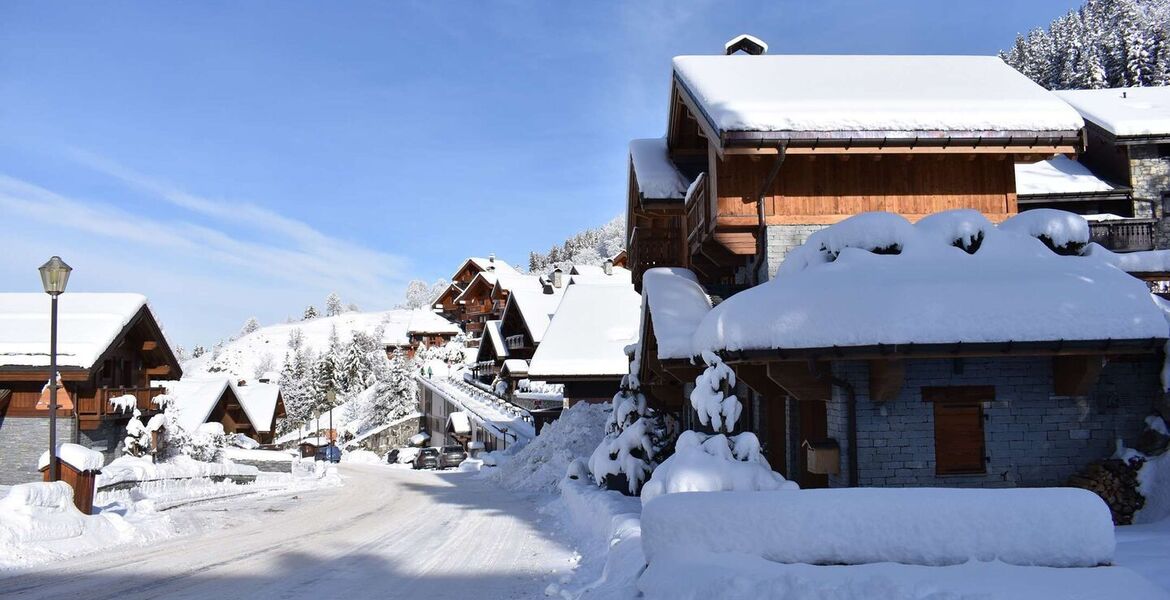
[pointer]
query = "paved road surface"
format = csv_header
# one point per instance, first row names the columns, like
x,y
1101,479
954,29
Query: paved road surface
x,y
387,533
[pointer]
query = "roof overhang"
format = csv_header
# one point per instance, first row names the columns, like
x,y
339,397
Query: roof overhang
x,y
1114,194
952,350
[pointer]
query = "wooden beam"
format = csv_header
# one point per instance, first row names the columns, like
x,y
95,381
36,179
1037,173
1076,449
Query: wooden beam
x,y
149,345
799,380
1076,375
756,377
1028,152
161,370
886,378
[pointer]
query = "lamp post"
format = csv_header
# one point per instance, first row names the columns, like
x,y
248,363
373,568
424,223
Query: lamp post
x,y
54,277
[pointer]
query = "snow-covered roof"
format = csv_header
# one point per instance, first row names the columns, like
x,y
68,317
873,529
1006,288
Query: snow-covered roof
x,y
657,176
1012,289
259,401
196,398
400,324
87,324
807,93
488,264
1060,175
596,276
459,423
1124,111
516,366
589,332
536,309
492,335
1148,261
677,304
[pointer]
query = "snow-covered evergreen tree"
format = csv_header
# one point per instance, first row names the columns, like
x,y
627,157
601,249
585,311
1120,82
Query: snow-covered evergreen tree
x,y
310,313
393,393
420,294
181,354
252,324
137,442
1104,43
198,351
333,305
637,439
296,337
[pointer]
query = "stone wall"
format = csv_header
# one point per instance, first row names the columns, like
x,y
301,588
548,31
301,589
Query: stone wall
x,y
1150,178
22,441
781,240
1032,437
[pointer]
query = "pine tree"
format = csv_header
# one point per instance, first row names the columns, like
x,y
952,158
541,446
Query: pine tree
x,y
310,313
296,337
250,326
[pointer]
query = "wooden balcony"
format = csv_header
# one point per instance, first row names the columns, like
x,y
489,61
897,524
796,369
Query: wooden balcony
x,y
1128,235
99,406
654,247
701,215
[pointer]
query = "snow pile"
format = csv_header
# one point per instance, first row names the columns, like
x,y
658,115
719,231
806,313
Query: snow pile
x,y
880,94
711,463
39,520
1011,288
658,178
77,456
703,576
608,525
471,465
361,457
129,468
1060,175
407,455
1154,486
1060,228
1055,527
542,463
1147,261
677,304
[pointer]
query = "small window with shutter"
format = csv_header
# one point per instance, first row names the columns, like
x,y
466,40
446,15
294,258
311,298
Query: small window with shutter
x,y
958,428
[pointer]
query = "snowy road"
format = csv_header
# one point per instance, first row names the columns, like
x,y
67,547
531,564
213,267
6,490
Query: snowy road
x,y
387,533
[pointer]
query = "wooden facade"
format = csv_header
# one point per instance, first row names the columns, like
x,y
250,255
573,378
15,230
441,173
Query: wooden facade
x,y
137,355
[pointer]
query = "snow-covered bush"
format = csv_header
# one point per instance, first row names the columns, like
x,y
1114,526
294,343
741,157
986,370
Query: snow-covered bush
x,y
137,440
637,439
715,462
1063,232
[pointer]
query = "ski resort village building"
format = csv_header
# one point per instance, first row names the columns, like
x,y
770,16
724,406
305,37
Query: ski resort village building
x,y
408,330
456,308
919,345
110,346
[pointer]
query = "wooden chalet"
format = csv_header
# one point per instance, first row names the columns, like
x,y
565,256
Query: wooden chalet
x,y
408,330
1066,184
264,404
490,354
447,304
762,150
515,337
212,399
109,346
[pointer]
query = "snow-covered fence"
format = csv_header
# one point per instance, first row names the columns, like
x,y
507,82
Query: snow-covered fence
x,y
1055,527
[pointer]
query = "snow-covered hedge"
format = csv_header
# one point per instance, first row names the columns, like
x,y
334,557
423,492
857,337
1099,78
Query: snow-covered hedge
x,y
1056,527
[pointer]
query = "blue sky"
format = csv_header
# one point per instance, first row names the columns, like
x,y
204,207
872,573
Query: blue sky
x,y
236,159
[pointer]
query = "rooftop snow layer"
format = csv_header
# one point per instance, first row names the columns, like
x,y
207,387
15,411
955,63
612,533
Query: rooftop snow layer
x,y
657,176
1012,289
196,398
536,309
486,264
870,93
589,333
677,304
492,335
1060,175
87,324
259,401
596,275
400,324
1124,111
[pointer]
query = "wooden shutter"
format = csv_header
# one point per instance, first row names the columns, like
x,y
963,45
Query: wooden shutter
x,y
958,428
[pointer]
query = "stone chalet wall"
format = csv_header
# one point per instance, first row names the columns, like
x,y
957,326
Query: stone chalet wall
x,y
1032,437
23,439
781,240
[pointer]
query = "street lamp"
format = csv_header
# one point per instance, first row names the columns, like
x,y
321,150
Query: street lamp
x,y
54,278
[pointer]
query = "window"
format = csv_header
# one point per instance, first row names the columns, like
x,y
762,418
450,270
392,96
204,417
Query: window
x,y
958,428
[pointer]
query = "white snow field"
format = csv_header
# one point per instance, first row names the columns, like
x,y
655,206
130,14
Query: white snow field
x,y
387,533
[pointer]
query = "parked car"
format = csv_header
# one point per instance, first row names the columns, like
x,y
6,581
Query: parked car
x,y
428,458
451,456
329,453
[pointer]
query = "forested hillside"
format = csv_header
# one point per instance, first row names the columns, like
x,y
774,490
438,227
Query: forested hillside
x,y
1104,43
590,247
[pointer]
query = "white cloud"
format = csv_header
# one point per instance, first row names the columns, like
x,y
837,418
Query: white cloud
x,y
205,264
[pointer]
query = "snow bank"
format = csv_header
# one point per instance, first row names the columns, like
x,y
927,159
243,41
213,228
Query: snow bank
x,y
361,457
129,468
1154,485
471,465
542,463
1012,288
609,527
77,456
704,576
703,463
677,304
1056,527
1062,228
39,520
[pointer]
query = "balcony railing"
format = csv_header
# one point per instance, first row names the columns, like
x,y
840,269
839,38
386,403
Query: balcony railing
x,y
651,248
700,213
1128,235
514,342
100,406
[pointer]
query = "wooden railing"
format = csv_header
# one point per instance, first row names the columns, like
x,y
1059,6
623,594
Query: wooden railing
x,y
1127,235
700,210
651,248
100,405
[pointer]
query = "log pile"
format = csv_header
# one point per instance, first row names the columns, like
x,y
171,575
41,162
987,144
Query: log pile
x,y
1115,481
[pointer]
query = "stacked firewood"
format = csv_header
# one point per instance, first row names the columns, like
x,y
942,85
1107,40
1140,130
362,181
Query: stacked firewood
x,y
1115,481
